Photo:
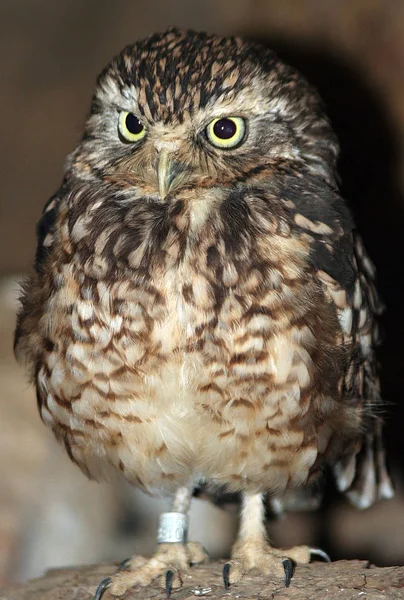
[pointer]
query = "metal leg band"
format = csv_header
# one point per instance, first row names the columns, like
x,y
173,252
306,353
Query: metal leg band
x,y
172,528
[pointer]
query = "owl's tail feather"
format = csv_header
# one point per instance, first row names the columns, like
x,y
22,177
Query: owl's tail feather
x,y
363,475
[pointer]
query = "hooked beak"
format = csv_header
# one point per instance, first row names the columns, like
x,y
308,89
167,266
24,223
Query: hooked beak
x,y
169,172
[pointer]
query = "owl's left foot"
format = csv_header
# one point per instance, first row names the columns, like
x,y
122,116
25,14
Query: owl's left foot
x,y
169,564
258,555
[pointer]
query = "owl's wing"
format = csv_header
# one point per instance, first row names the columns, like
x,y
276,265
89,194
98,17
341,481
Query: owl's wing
x,y
347,276
31,306
44,230
362,474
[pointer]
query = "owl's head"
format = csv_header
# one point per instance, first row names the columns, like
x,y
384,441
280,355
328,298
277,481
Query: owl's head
x,y
181,111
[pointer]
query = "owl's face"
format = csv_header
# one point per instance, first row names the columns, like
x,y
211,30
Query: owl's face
x,y
182,111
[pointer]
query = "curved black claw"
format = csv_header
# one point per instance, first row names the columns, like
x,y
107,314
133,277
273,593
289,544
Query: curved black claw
x,y
320,553
105,583
124,564
226,576
289,567
169,583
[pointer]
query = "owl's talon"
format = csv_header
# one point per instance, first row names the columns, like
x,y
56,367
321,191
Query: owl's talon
x,y
169,583
105,583
289,567
124,564
226,576
320,553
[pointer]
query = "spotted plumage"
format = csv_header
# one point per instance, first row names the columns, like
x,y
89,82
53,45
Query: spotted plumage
x,y
201,312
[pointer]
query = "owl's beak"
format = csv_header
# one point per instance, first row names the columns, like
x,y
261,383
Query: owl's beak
x,y
169,172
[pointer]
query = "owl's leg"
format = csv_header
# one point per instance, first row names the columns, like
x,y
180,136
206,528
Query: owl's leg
x,y
253,551
172,559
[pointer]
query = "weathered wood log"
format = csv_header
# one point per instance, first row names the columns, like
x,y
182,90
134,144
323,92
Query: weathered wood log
x,y
342,580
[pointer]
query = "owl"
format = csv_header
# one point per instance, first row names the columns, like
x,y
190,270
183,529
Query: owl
x,y
202,310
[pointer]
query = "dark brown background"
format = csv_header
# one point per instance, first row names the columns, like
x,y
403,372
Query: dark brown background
x,y
50,54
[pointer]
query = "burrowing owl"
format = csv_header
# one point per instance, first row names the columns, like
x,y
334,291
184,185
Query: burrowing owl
x,y
202,308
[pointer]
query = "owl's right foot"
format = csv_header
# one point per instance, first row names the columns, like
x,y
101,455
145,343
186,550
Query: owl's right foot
x,y
169,564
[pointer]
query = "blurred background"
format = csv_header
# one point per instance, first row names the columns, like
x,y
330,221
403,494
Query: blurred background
x,y
50,54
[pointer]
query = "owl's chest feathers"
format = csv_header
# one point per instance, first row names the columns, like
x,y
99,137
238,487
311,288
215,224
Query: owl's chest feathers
x,y
206,365
203,295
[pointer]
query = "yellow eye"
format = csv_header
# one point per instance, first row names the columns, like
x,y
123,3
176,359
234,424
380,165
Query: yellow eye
x,y
130,127
227,132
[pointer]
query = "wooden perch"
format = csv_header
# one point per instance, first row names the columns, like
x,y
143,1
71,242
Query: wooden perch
x,y
342,580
